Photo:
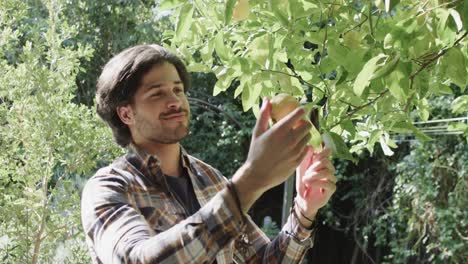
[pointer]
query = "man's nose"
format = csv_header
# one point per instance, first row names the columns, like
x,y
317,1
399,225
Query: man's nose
x,y
174,101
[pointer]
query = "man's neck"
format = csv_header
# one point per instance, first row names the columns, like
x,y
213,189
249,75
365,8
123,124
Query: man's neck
x,y
168,155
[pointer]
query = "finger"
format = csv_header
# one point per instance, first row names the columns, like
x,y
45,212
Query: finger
x,y
299,186
291,119
325,152
301,169
306,161
319,165
319,176
300,149
296,135
327,185
262,122
303,155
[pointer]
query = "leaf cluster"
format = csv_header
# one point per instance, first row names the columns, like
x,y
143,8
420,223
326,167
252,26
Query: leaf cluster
x,y
366,64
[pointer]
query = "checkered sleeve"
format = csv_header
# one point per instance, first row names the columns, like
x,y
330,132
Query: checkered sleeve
x,y
119,234
289,246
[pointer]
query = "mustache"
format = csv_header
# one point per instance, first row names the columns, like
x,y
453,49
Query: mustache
x,y
174,111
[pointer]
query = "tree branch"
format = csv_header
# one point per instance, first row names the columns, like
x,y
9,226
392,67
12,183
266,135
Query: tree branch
x,y
370,19
38,239
297,76
349,114
439,6
440,54
209,106
427,64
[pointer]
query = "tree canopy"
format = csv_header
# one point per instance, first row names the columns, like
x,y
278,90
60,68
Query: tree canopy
x,y
365,65
375,71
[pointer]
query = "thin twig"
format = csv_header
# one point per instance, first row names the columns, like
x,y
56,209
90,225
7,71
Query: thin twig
x,y
361,246
358,25
295,75
349,114
427,64
370,19
439,6
440,54
330,13
207,105
378,19
343,101
38,235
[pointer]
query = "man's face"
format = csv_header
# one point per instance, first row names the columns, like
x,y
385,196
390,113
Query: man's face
x,y
160,112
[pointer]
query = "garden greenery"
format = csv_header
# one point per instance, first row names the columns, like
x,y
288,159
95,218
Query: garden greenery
x,y
371,68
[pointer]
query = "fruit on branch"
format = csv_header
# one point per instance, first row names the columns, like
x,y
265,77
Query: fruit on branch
x,y
241,10
283,104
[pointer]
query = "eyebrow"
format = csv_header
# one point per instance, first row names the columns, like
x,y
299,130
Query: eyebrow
x,y
158,85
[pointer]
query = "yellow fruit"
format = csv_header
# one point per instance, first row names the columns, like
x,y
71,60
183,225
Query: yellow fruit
x,y
281,105
241,10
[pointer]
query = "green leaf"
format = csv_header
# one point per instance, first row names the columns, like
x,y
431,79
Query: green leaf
x,y
364,77
240,88
441,89
443,15
390,65
206,52
228,11
342,55
198,67
456,68
456,18
275,6
184,20
338,146
225,77
408,127
398,84
350,127
170,4
251,93
385,146
388,41
221,49
352,39
259,49
423,109
460,105
458,127
315,139
373,138
386,5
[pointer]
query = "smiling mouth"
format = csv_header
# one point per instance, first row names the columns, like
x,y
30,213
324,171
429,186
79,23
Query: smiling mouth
x,y
175,117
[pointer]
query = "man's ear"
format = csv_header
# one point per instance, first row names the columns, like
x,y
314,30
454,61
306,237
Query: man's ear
x,y
125,114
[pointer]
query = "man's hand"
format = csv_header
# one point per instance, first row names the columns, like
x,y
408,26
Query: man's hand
x,y
273,155
315,183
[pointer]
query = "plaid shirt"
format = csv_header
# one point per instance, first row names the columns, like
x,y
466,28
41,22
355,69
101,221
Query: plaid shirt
x,y
130,216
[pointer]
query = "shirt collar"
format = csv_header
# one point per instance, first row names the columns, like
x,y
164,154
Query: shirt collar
x,y
152,162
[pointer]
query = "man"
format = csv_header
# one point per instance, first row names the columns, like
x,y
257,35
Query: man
x,y
158,204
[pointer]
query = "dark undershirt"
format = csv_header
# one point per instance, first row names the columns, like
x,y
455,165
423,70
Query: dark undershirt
x,y
183,190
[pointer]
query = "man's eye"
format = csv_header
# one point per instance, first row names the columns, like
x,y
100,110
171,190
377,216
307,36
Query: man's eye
x,y
179,90
155,95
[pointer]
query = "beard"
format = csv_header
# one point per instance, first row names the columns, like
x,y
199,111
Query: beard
x,y
161,133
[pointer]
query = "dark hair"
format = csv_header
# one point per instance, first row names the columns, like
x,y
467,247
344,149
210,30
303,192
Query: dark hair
x,y
121,78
